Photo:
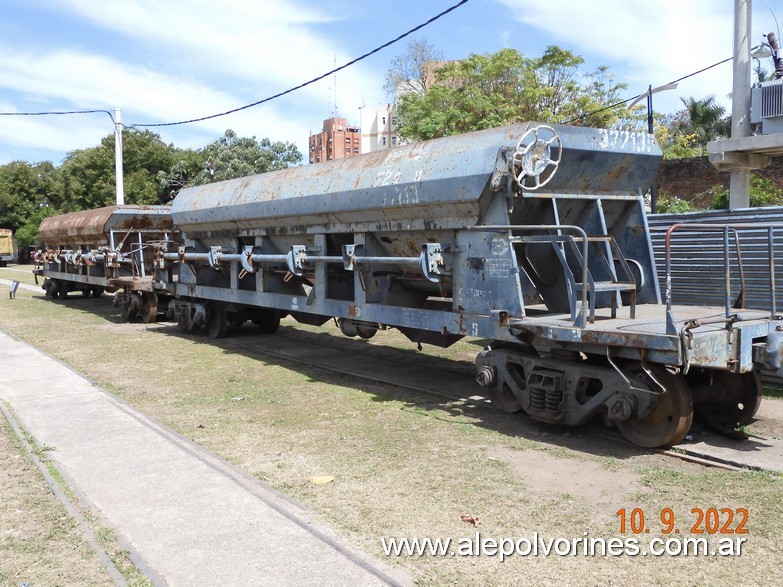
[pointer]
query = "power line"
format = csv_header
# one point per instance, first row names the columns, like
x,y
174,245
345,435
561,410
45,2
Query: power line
x,y
58,113
632,98
402,36
312,81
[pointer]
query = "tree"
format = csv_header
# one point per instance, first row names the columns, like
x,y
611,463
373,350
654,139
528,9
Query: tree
x,y
414,70
707,119
232,156
484,91
688,131
188,164
675,143
24,189
88,177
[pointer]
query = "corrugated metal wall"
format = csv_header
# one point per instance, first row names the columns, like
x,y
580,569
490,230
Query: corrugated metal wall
x,y
697,258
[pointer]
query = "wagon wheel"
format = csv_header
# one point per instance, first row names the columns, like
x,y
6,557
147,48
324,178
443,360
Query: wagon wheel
x,y
127,308
235,319
502,397
366,330
149,307
268,321
97,291
218,321
59,289
671,416
740,402
499,393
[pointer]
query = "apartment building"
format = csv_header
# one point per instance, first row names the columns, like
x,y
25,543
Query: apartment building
x,y
337,140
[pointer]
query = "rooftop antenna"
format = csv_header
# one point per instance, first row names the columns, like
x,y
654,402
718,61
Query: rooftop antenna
x,y
335,85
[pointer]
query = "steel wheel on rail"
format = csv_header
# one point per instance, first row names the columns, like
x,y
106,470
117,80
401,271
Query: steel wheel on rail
x,y
741,398
126,305
217,324
670,418
268,321
149,307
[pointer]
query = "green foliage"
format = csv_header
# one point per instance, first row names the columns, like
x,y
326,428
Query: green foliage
x,y
485,91
687,132
187,165
89,178
673,205
27,234
676,146
153,173
24,188
763,192
232,156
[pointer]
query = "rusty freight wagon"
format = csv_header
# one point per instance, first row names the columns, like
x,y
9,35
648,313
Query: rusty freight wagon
x,y
105,250
531,236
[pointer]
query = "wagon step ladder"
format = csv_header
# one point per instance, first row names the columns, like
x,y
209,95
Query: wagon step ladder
x,y
611,263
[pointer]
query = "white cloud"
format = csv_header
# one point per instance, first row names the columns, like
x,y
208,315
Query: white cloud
x,y
57,134
191,59
646,42
265,47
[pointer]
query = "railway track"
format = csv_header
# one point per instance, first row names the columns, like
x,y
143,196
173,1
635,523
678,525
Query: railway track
x,y
451,380
454,381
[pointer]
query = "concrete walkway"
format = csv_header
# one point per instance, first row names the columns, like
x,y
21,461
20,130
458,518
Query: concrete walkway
x,y
193,518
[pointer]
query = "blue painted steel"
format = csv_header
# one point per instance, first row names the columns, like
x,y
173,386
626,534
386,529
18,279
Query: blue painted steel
x,y
435,184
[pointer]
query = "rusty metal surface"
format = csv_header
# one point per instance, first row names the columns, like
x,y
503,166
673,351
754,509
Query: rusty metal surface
x,y
430,185
92,227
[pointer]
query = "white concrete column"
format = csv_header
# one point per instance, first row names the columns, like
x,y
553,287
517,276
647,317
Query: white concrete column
x,y
739,183
118,171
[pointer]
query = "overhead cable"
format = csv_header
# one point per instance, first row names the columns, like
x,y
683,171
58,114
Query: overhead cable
x,y
632,98
307,83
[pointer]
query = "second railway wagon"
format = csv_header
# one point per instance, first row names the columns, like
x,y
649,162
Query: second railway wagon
x,y
106,250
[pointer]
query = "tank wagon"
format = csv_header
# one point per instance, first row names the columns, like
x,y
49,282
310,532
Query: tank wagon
x,y
532,236
105,250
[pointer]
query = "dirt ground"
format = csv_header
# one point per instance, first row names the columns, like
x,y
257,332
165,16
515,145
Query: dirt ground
x,y
407,465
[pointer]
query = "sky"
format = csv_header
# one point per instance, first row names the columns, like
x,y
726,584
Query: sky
x,y
173,60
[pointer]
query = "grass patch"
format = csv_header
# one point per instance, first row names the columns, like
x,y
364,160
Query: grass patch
x,y
404,464
39,542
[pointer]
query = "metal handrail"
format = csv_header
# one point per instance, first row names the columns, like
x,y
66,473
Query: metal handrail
x,y
581,319
726,228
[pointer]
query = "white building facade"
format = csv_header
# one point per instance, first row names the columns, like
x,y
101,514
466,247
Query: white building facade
x,y
379,127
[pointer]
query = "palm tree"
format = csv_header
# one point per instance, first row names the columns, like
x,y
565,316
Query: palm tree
x,y
706,119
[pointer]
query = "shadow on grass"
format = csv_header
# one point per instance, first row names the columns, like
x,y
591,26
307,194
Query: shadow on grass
x,y
325,356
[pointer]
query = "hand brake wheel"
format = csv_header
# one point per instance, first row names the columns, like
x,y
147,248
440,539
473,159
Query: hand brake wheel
x,y
536,157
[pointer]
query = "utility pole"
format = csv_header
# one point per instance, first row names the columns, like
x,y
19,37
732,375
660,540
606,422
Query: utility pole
x,y
651,130
743,152
739,180
119,179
